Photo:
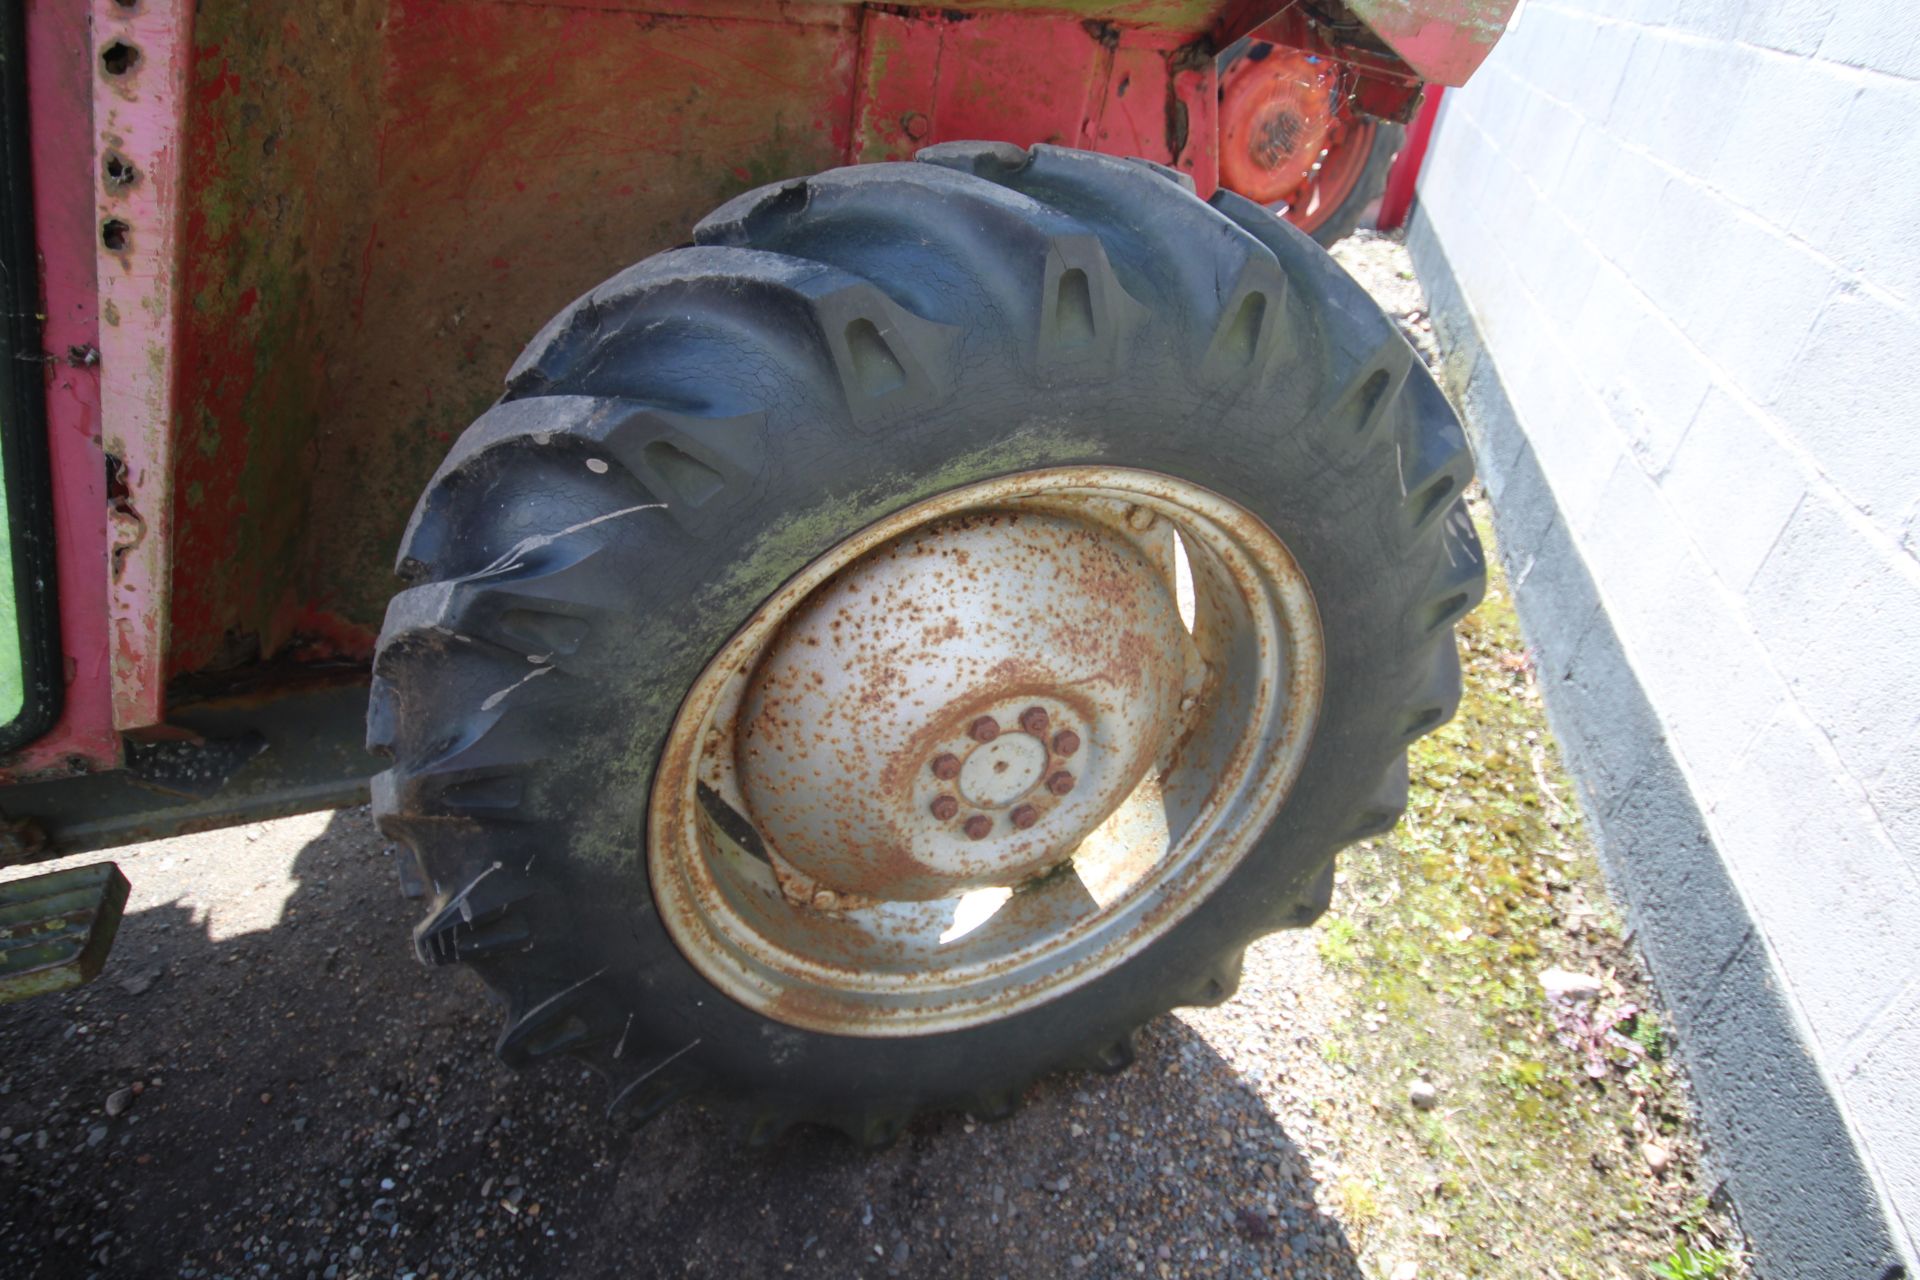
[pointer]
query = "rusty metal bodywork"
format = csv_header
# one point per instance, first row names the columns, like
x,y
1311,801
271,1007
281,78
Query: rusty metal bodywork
x,y
57,928
291,249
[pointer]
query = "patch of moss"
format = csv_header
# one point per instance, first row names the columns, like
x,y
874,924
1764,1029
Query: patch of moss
x,y
1532,1164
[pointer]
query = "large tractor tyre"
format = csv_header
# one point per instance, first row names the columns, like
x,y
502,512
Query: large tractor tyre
x,y
900,644
1291,140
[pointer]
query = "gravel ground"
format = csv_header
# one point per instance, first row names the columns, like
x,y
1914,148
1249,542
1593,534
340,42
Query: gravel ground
x,y
311,1101
265,1084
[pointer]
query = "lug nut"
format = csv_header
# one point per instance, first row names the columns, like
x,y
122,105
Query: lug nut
x,y
1060,783
978,826
985,729
944,807
1025,816
946,767
1066,742
1034,720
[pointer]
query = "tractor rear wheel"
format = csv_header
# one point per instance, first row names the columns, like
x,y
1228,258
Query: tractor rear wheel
x,y
898,645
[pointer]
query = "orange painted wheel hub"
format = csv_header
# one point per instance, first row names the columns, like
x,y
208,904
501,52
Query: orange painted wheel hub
x,y
1287,137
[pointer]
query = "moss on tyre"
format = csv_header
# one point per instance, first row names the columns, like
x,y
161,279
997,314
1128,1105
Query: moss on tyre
x,y
689,436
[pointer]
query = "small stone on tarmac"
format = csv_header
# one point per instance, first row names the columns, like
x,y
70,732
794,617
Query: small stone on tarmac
x,y
1423,1095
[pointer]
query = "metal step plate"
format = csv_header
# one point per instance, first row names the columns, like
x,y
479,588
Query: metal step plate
x,y
56,929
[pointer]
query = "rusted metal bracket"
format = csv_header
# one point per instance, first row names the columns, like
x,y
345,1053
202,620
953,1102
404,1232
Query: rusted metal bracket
x,y
140,60
56,929
248,758
195,769
928,76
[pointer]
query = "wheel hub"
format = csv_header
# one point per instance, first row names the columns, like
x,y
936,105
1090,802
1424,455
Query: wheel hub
x,y
961,706
1277,118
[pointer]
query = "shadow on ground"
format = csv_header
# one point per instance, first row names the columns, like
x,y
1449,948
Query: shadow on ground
x,y
314,1103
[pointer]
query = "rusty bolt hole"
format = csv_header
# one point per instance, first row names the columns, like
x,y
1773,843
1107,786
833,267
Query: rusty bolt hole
x,y
119,171
119,58
115,235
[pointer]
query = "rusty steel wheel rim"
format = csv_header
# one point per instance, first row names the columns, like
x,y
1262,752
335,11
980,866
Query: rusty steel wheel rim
x,y
984,751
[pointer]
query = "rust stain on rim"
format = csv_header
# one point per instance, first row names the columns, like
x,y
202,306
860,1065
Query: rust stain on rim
x,y
894,728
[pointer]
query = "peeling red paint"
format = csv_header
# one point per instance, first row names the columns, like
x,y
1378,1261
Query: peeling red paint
x,y
931,77
141,113
60,95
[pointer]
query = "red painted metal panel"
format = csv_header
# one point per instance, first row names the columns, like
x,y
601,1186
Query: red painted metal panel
x,y
139,109
1398,197
928,77
373,236
60,88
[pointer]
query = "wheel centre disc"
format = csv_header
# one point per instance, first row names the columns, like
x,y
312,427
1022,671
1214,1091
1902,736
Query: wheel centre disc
x,y
972,642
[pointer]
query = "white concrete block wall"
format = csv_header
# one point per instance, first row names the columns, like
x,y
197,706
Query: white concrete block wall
x,y
1689,231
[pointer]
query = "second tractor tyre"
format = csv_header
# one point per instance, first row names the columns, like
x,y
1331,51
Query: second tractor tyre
x,y
1291,140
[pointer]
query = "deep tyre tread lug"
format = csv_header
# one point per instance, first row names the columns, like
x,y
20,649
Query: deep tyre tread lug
x,y
414,884
1081,321
382,716
1248,342
1221,983
994,1104
1359,335
888,361
1178,178
1460,580
1436,462
1312,903
764,1131
572,1020
1367,405
1133,208
1115,1056
482,917
878,1132
1385,806
1440,697
1086,315
642,1099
